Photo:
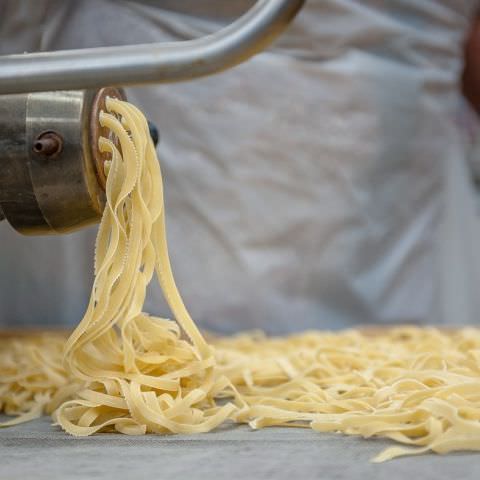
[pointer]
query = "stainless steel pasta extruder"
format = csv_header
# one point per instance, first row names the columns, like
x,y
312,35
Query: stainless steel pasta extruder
x,y
51,172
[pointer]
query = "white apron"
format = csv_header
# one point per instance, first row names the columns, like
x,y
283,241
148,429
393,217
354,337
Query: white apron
x,y
323,184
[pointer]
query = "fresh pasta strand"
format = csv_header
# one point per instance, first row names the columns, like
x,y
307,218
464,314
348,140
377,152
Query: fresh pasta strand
x,y
140,375
417,386
125,371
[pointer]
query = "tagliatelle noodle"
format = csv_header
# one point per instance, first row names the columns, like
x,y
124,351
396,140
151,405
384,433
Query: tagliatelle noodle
x,y
140,375
126,371
33,380
417,386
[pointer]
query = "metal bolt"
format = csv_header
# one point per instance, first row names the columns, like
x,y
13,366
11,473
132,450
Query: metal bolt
x,y
48,143
153,132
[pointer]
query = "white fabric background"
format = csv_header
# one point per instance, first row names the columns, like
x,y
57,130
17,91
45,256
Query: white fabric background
x,y
322,184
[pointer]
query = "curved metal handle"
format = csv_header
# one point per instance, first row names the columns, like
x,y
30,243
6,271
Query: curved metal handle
x,y
149,63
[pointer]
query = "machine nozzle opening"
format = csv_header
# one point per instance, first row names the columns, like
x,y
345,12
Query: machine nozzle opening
x,y
48,143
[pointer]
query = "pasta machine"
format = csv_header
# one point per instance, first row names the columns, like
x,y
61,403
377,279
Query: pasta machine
x,y
51,171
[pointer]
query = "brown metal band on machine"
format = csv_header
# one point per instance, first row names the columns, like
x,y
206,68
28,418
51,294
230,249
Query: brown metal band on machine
x,y
96,130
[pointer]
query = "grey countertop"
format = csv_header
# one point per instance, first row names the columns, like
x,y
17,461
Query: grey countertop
x,y
37,450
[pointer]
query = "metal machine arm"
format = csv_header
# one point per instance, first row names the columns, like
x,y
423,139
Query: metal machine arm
x,y
149,63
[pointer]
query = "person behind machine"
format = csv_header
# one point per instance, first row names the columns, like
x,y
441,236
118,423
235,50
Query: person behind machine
x,y
322,185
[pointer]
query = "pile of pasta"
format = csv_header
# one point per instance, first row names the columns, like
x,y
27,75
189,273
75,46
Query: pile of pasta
x,y
125,371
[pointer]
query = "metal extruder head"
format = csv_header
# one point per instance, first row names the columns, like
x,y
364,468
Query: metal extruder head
x,y
51,171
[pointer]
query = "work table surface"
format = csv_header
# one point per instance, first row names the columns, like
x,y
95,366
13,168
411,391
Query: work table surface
x,y
37,450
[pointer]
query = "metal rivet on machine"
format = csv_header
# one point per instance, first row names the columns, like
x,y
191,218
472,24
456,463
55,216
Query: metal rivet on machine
x,y
48,143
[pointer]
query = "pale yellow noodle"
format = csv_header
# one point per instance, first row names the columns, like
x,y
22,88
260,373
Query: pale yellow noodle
x,y
123,370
